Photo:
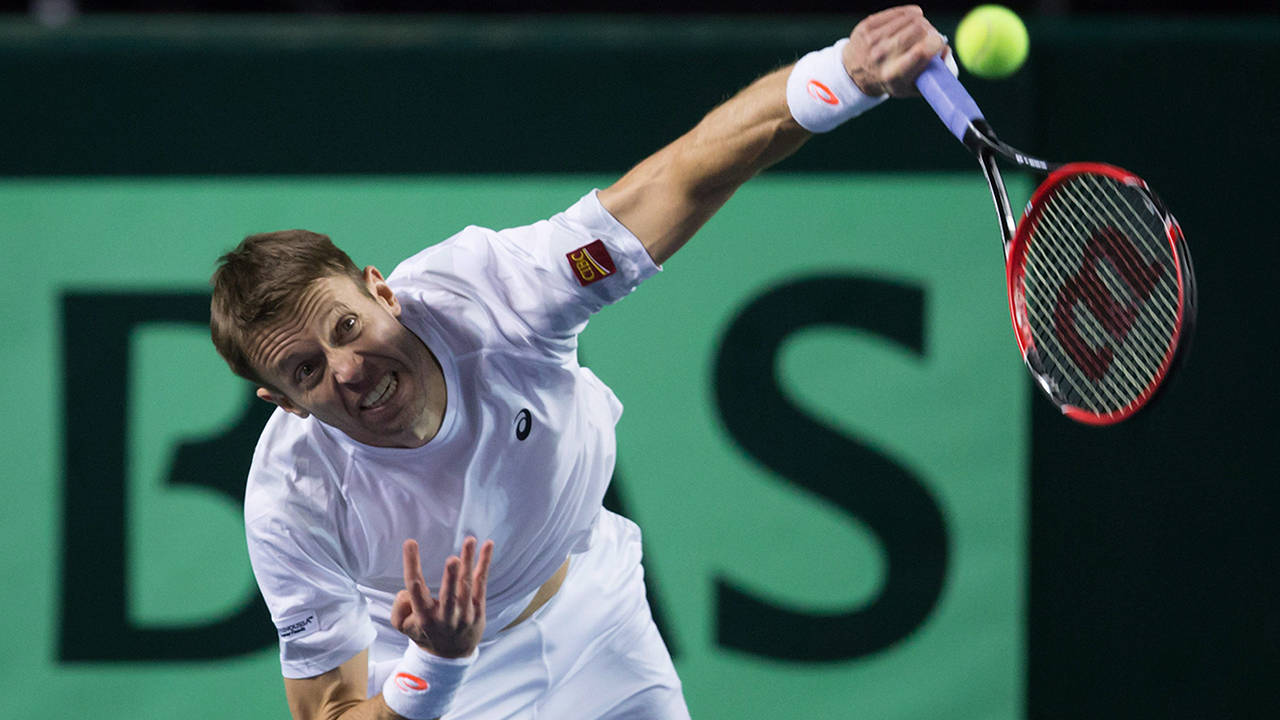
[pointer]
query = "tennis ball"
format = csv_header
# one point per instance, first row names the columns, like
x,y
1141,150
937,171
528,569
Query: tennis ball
x,y
991,41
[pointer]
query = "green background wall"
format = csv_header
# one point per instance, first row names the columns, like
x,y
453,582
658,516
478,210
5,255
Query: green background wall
x,y
941,542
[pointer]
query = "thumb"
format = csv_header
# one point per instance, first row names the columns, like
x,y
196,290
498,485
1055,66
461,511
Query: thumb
x,y
401,609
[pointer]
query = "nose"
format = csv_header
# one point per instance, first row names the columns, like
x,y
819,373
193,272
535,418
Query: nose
x,y
348,367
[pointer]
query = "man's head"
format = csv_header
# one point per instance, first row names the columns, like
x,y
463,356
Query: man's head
x,y
261,280
292,313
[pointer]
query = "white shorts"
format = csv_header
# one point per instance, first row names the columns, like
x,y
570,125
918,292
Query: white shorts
x,y
591,653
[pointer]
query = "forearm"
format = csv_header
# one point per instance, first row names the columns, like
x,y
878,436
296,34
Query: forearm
x,y
746,134
666,198
691,178
371,709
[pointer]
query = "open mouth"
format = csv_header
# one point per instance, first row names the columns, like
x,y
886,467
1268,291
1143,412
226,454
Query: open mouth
x,y
382,392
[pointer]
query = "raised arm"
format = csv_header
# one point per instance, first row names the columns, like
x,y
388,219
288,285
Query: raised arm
x,y
445,631
668,196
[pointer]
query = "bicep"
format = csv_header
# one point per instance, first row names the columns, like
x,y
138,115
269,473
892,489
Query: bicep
x,y
329,694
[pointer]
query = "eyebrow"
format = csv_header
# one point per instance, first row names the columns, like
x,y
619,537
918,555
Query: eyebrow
x,y
285,366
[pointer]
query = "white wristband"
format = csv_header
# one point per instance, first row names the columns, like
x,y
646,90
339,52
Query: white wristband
x,y
820,93
422,685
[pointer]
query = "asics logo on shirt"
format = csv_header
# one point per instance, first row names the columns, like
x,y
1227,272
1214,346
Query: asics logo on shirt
x,y
524,423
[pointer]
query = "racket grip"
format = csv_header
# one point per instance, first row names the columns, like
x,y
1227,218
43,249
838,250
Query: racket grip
x,y
948,98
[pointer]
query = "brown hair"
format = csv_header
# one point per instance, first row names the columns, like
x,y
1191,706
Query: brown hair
x,y
263,278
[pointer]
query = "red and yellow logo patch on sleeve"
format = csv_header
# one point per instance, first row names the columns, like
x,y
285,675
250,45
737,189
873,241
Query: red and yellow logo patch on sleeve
x,y
591,262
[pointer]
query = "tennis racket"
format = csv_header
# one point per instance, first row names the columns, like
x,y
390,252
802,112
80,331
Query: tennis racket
x,y
1101,289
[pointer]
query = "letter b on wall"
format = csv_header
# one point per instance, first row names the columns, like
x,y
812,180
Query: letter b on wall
x,y
96,624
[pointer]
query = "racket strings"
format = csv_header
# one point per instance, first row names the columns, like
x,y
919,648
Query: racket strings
x,y
1115,285
1108,283
1098,395
1156,339
1125,382
1101,292
1095,336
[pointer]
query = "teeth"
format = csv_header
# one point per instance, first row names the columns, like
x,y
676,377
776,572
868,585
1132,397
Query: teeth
x,y
380,393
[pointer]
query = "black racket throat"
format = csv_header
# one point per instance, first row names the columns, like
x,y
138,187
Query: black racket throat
x,y
986,158
981,140
979,137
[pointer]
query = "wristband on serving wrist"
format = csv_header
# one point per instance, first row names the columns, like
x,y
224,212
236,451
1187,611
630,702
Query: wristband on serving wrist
x,y
423,685
820,93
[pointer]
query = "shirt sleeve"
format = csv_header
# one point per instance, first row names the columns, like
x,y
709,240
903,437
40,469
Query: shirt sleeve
x,y
561,271
548,277
320,617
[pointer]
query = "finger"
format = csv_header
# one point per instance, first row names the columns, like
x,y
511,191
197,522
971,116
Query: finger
x,y
889,39
468,559
414,583
412,563
902,72
934,41
907,53
482,577
449,591
465,578
908,34
401,609
872,22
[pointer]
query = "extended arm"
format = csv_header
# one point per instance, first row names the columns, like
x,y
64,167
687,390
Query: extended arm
x,y
672,193
449,626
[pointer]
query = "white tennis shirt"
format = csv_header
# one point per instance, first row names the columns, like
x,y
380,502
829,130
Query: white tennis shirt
x,y
523,455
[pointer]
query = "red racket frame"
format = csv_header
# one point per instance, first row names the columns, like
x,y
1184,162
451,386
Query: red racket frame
x,y
1017,294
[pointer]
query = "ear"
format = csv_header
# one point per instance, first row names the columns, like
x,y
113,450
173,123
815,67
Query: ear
x,y
283,401
381,291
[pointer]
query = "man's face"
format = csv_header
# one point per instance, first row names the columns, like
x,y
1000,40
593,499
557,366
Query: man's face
x,y
344,357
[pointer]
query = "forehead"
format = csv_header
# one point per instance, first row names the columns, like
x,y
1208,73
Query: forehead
x,y
304,320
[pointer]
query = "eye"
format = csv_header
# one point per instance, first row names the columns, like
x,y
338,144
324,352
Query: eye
x,y
304,371
347,325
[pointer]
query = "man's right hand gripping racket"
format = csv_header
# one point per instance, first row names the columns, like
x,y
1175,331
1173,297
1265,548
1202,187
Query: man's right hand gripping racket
x,y
1100,283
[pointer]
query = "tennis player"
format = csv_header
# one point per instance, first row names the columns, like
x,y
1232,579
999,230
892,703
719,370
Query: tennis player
x,y
437,417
